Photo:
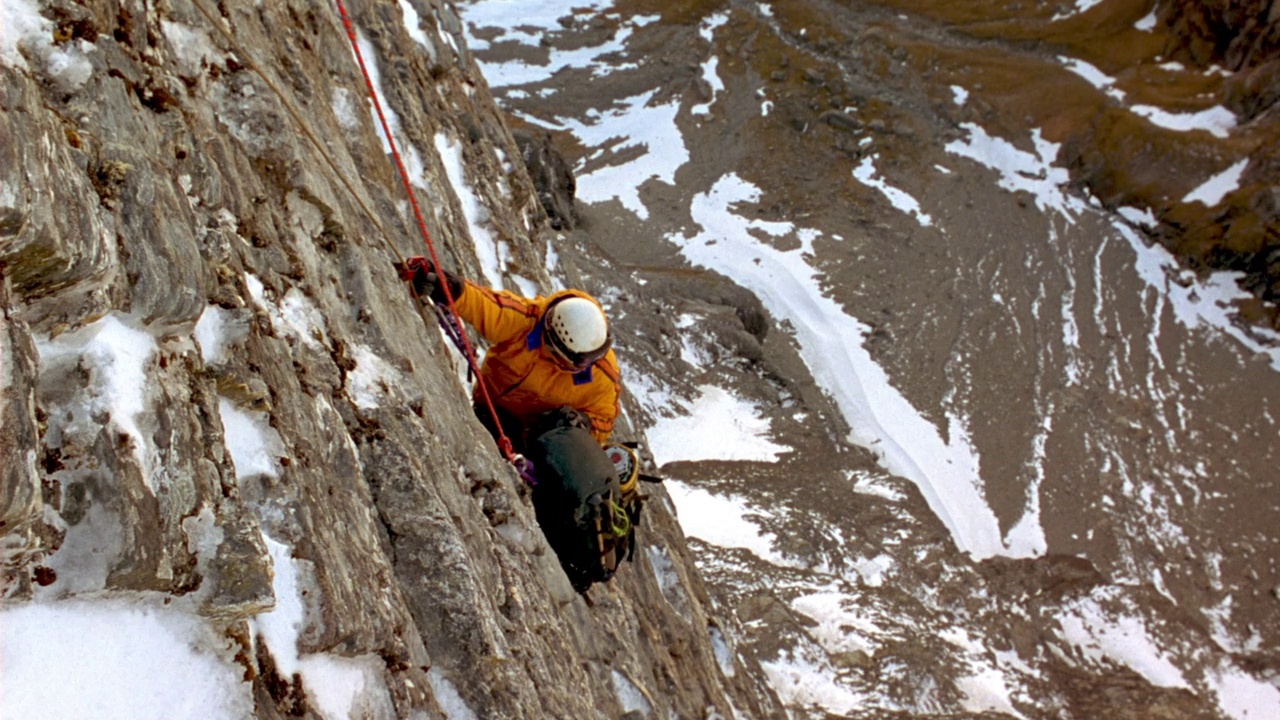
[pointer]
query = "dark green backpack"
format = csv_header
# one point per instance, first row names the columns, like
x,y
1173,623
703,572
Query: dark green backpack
x,y
580,504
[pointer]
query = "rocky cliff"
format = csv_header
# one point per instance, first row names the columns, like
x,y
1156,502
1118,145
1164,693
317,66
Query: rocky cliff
x,y
214,382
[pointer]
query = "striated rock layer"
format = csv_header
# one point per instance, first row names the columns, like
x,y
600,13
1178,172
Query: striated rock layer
x,y
211,379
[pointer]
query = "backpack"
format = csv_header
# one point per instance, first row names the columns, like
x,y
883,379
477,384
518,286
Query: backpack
x,y
587,513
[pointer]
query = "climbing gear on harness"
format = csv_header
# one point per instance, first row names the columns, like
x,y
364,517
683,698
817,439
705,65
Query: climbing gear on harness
x,y
627,464
588,520
577,332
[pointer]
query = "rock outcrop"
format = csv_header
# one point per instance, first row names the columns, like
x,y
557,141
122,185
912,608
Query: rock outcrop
x,y
210,374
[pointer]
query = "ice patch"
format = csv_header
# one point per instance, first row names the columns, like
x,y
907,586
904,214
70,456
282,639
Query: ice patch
x,y
343,104
664,571
723,653
630,696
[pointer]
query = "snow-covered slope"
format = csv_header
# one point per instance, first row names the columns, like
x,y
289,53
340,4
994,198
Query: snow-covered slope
x,y
990,447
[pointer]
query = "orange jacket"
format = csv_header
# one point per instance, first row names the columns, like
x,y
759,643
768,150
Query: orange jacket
x,y
518,370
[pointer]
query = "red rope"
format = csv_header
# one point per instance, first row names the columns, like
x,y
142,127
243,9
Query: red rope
x,y
504,443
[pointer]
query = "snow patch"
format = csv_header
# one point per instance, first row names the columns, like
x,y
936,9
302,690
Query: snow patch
x,y
1217,121
371,381
255,446
802,680
477,215
1021,170
294,315
712,78
718,426
117,358
866,174
409,153
630,696
117,660
635,128
216,331
1199,303
192,47
880,418
1124,639
337,685
1081,6
413,25
448,697
724,521
1212,191
1092,75
25,33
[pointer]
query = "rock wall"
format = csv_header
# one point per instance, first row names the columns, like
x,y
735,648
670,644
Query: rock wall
x,y
209,370
1242,36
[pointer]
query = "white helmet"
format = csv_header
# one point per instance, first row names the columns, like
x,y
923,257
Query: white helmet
x,y
578,331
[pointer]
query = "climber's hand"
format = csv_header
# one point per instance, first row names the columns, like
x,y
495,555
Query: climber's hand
x,y
427,279
421,273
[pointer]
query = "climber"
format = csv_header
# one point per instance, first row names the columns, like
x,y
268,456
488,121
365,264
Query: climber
x,y
554,383
549,358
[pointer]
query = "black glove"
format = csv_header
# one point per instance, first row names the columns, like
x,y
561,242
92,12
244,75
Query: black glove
x,y
426,279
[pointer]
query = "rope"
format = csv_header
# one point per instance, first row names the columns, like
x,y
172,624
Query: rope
x,y
504,443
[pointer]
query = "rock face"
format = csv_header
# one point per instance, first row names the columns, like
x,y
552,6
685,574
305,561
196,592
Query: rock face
x,y
1244,37
209,371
